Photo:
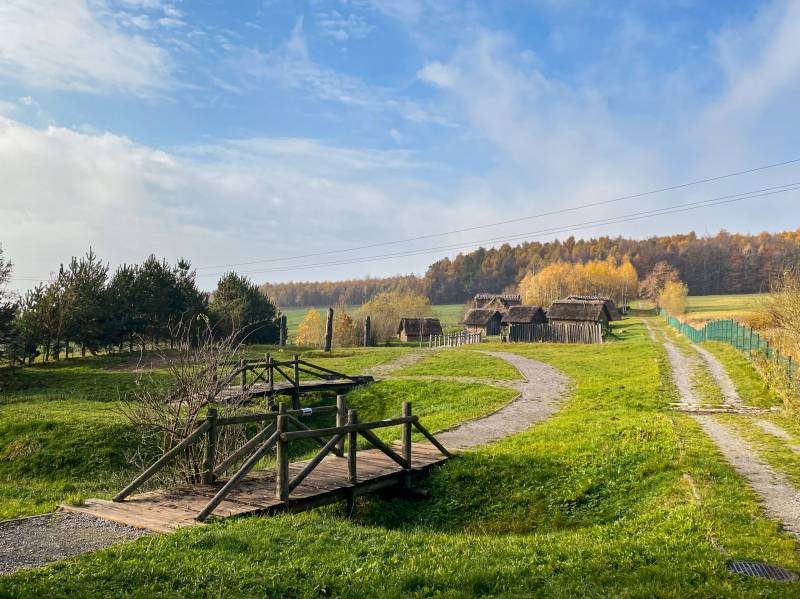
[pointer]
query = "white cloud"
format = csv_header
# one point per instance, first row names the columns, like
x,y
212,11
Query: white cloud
x,y
292,66
230,201
66,44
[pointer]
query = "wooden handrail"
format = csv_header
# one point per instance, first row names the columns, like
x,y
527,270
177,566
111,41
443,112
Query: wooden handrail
x,y
162,461
348,428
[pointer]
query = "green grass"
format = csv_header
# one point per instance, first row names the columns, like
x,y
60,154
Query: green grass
x,y
749,384
612,496
462,362
52,449
354,360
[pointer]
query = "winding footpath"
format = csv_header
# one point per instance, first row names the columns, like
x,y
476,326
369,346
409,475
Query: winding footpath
x,y
781,500
540,391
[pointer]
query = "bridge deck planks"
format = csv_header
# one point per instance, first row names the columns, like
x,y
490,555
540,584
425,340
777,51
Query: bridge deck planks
x,y
165,511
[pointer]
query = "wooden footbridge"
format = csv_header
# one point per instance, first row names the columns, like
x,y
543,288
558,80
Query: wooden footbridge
x,y
337,472
257,379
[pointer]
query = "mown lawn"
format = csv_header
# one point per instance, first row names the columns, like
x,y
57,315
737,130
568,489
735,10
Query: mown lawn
x,y
462,362
63,436
614,496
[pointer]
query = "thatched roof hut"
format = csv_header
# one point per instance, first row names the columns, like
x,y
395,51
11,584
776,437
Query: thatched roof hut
x,y
613,312
524,315
418,329
483,320
566,311
497,301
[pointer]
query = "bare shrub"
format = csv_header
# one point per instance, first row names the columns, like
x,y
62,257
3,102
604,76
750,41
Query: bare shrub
x,y
172,395
783,309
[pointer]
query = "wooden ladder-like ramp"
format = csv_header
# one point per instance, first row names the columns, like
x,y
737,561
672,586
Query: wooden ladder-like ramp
x,y
337,472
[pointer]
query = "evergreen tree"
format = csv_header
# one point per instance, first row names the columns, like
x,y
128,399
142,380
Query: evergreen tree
x,y
7,305
239,305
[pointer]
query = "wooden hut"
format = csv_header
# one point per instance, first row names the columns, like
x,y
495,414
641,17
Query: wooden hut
x,y
418,329
496,301
613,312
483,320
572,311
524,315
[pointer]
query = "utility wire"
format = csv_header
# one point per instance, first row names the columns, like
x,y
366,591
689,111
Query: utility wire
x,y
512,220
673,209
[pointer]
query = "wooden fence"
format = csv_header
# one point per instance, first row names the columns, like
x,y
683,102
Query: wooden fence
x,y
276,434
455,339
589,332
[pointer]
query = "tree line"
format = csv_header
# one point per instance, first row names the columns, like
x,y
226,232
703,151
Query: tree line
x,y
86,308
724,263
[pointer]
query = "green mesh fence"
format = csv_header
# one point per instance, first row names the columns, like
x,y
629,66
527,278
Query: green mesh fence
x,y
739,336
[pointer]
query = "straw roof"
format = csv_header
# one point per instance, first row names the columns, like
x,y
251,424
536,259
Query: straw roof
x,y
479,317
420,326
524,315
613,312
577,311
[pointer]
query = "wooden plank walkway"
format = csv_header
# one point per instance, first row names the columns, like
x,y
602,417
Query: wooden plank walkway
x,y
164,511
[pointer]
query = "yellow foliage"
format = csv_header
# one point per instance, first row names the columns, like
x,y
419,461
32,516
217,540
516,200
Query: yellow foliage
x,y
386,309
596,277
345,330
311,330
673,297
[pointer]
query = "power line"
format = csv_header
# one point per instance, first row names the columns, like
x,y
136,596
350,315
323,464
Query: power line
x,y
673,209
513,220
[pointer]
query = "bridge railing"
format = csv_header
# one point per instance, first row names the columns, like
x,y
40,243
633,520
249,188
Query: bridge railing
x,y
276,434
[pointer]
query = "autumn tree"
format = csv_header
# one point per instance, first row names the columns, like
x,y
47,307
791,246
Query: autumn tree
x,y
595,277
311,330
657,279
673,297
386,309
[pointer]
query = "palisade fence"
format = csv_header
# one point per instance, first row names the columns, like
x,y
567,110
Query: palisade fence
x,y
580,332
743,338
455,339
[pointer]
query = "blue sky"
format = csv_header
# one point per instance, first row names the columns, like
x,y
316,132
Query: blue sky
x,y
235,132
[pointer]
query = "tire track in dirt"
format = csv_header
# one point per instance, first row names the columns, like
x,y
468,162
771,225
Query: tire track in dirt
x,y
779,497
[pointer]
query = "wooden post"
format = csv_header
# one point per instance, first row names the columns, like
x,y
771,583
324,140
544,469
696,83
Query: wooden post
x,y
329,330
341,419
296,392
367,331
352,444
407,443
282,457
243,373
282,331
270,376
211,447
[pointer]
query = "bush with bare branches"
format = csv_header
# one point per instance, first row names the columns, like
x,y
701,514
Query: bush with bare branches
x,y
172,395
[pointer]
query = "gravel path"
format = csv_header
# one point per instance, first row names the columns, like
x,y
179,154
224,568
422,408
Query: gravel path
x,y
540,392
40,540
720,376
780,498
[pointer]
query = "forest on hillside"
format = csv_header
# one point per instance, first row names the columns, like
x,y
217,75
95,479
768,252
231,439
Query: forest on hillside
x,y
724,263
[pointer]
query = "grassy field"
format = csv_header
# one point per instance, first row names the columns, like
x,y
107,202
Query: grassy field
x,y
613,496
449,314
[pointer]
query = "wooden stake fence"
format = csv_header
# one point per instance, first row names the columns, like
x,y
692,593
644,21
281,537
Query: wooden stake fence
x,y
556,333
455,339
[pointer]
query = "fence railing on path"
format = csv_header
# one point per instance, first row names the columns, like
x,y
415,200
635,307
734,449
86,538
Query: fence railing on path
x,y
741,337
455,339
590,332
